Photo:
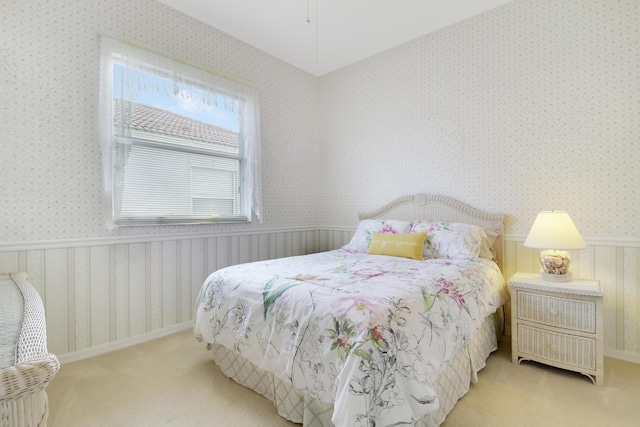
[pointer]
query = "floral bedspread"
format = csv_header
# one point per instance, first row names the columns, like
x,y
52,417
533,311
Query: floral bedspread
x,y
366,333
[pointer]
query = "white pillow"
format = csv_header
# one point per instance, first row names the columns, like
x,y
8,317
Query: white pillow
x,y
486,248
362,237
455,240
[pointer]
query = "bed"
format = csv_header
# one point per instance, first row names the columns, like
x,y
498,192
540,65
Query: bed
x,y
390,329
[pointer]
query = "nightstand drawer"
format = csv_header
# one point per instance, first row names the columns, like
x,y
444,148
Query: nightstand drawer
x,y
567,313
561,348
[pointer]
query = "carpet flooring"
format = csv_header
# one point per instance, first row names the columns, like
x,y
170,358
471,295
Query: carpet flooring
x,y
173,381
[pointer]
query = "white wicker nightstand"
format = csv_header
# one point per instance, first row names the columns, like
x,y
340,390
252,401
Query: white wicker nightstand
x,y
558,324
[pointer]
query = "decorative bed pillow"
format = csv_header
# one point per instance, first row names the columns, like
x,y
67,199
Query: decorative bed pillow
x,y
401,245
455,240
486,247
362,237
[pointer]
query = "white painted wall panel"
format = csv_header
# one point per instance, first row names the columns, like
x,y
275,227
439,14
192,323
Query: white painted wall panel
x,y
9,262
169,283
605,267
244,249
583,263
113,308
70,255
631,292
122,286
155,262
255,248
527,259
99,291
273,246
137,289
210,260
148,294
82,304
198,268
264,247
221,249
184,281
35,267
280,245
55,304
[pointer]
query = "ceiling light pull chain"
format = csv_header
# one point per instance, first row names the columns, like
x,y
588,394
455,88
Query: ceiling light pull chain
x,y
309,21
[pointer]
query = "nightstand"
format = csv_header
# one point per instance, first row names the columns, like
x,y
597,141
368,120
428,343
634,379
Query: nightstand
x,y
558,324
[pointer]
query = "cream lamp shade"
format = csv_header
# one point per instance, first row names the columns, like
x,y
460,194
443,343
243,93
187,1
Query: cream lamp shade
x,y
554,233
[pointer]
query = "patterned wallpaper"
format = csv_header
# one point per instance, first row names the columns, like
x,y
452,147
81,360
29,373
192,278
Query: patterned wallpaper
x,y
527,107
531,106
50,180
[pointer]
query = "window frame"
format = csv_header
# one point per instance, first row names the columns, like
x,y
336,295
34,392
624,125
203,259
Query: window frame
x,y
116,141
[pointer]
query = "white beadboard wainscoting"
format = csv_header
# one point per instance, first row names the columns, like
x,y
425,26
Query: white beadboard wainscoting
x,y
105,294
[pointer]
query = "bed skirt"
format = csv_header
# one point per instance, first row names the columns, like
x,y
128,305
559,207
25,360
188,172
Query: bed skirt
x,y
453,383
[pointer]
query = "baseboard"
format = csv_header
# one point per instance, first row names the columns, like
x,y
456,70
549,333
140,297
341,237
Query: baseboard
x,y
128,342
622,355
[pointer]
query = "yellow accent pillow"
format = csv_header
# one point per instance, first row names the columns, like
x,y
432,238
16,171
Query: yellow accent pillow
x,y
400,245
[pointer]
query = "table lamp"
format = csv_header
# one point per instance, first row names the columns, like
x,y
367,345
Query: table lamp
x,y
554,233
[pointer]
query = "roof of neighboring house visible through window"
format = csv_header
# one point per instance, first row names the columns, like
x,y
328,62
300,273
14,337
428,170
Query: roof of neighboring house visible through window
x,y
155,120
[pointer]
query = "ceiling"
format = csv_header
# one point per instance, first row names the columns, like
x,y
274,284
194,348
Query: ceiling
x,y
339,32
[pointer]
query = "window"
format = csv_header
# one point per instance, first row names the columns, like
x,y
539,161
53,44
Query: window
x,y
180,145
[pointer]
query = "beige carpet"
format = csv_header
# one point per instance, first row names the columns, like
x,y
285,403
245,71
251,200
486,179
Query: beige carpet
x,y
172,381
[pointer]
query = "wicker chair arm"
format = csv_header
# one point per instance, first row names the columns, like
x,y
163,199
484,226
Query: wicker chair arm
x,y
27,377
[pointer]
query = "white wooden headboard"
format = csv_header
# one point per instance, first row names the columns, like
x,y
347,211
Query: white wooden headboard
x,y
432,207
